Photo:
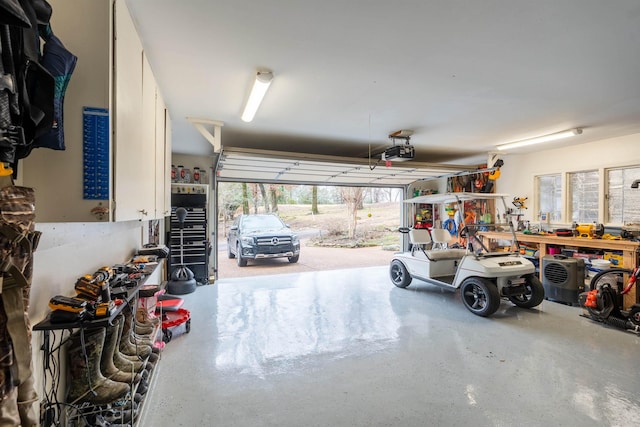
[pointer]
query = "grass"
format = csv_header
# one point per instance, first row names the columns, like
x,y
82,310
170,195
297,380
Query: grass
x,y
377,224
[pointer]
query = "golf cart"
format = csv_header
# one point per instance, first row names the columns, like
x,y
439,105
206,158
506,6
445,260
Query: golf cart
x,y
483,277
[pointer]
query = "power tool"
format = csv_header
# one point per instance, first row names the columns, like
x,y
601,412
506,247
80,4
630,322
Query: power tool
x,y
588,231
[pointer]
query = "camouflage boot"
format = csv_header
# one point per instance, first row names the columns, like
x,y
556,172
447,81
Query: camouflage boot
x,y
86,383
18,241
119,358
107,366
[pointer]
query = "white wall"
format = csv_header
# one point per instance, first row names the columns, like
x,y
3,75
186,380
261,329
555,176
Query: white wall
x,y
516,176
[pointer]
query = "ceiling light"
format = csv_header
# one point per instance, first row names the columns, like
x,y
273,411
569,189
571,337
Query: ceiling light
x,y
259,89
540,139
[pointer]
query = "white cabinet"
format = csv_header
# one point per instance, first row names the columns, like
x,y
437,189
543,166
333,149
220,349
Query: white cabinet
x,y
163,159
112,75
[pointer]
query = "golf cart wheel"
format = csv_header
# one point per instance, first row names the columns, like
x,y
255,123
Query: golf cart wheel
x,y
634,314
230,254
294,259
480,296
187,326
534,295
242,262
399,274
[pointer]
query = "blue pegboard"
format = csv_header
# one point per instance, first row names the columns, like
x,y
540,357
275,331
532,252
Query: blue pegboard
x,y
95,154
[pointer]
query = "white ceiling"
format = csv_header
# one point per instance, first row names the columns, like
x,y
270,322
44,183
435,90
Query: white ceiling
x,y
463,74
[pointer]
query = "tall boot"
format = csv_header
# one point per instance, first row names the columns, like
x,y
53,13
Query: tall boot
x,y
119,360
107,366
86,383
126,345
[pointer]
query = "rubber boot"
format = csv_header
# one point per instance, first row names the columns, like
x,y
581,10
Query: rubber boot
x,y
119,360
107,365
126,344
86,383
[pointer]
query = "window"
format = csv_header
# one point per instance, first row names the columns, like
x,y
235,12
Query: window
x,y
622,200
583,193
549,190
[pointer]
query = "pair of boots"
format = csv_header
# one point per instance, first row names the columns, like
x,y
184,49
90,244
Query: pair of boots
x,y
99,371
137,340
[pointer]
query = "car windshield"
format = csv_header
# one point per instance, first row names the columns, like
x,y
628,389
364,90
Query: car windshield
x,y
261,222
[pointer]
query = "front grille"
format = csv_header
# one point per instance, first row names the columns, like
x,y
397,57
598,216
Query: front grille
x,y
273,245
274,241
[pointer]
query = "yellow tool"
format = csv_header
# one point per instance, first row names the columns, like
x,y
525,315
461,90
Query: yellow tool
x,y
588,231
4,170
73,305
519,202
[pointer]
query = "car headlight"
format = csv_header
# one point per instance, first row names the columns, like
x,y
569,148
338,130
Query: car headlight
x,y
247,241
294,239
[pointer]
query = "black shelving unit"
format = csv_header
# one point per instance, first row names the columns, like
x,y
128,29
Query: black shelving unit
x,y
195,248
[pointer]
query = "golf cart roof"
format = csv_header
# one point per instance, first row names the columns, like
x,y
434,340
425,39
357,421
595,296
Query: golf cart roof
x,y
454,197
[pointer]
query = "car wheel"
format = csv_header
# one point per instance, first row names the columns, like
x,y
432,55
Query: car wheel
x,y
294,259
230,254
534,295
480,296
399,274
242,262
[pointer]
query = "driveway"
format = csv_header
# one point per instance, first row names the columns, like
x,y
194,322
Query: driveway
x,y
312,258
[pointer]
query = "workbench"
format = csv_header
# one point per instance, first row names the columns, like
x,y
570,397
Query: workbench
x,y
629,249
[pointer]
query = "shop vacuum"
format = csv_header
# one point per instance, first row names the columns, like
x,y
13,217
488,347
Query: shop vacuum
x,y
182,279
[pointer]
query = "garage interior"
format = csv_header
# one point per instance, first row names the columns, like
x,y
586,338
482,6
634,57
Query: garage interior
x,y
346,347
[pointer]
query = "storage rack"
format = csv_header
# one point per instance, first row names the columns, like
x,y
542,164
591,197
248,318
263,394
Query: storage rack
x,y
51,347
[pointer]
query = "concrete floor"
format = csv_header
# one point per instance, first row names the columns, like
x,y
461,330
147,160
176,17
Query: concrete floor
x,y
347,348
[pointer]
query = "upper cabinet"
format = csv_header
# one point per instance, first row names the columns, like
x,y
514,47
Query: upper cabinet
x,y
117,131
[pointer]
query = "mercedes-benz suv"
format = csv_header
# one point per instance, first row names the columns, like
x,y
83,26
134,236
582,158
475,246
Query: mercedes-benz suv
x,y
261,236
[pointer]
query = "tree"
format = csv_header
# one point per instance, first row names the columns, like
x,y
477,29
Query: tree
x,y
314,199
245,198
352,197
265,199
273,192
254,194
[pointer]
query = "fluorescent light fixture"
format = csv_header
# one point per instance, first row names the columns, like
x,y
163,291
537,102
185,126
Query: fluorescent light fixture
x,y
540,139
259,89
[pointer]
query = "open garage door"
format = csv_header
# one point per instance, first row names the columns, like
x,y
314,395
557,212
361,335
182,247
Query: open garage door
x,y
248,165
287,168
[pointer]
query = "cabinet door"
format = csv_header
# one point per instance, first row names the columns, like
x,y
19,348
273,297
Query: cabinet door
x,y
134,92
163,161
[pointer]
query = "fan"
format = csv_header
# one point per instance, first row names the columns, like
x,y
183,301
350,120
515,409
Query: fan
x,y
182,280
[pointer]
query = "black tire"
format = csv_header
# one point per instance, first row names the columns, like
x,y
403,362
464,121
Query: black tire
x,y
294,259
534,295
166,335
634,314
480,296
399,274
230,254
187,326
242,262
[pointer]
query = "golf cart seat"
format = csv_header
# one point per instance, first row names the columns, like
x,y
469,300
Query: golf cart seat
x,y
441,238
420,239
